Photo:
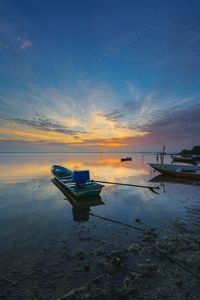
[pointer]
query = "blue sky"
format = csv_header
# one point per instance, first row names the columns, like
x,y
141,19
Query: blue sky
x,y
99,75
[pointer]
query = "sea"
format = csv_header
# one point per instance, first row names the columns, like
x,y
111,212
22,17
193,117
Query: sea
x,y
40,226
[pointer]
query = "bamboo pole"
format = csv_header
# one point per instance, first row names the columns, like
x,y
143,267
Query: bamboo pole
x,y
151,188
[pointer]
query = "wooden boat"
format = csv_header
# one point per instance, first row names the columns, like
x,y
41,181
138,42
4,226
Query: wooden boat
x,y
74,201
77,183
186,159
192,172
126,159
80,206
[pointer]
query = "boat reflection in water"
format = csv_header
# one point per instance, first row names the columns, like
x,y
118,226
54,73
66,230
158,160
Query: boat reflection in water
x,y
173,179
80,207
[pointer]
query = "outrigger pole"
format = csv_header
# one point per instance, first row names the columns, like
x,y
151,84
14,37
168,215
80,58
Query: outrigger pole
x,y
151,188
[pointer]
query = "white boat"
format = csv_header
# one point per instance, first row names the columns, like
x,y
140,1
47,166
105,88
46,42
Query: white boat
x,y
77,183
184,171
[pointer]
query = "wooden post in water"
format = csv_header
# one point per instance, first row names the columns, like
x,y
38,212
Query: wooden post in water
x,y
162,155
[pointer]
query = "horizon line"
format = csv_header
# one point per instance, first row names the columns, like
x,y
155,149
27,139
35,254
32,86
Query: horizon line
x,y
77,152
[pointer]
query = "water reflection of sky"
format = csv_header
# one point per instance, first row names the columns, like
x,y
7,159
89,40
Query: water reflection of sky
x,y
23,166
33,209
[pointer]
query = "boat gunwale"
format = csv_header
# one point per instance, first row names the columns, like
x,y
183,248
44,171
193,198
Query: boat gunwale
x,y
189,171
85,190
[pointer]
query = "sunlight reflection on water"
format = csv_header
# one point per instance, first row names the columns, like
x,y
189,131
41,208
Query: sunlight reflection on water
x,y
33,209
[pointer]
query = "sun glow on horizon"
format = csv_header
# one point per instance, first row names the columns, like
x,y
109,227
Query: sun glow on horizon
x,y
99,132
106,168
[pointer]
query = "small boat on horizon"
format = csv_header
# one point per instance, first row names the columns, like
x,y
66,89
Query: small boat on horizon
x,y
77,183
126,159
185,171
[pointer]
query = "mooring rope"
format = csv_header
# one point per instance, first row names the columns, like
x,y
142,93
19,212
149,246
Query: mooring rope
x,y
117,222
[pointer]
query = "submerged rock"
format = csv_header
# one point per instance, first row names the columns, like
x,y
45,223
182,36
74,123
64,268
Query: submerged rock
x,y
134,248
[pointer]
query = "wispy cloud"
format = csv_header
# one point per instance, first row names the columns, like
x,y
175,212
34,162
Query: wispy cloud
x,y
178,124
42,122
92,117
12,36
113,116
177,129
24,44
126,110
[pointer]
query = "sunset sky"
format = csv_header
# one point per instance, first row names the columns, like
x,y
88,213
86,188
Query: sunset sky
x,y
99,75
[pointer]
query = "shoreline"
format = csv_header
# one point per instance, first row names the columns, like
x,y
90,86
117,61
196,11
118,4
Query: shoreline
x,y
156,264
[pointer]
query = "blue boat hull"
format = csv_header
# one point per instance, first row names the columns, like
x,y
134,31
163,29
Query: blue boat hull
x,y
65,178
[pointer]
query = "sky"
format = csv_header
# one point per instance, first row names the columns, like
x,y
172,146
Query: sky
x,y
99,75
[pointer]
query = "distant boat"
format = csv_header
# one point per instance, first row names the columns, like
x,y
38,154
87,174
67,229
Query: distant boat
x,y
186,159
185,171
77,183
126,159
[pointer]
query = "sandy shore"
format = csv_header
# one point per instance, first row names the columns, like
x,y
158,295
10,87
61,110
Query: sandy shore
x,y
155,264
158,265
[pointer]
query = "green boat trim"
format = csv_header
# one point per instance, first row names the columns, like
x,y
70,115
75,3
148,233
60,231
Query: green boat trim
x,y
65,178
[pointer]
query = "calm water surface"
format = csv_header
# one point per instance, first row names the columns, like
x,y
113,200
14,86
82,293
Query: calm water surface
x,y
34,212
33,208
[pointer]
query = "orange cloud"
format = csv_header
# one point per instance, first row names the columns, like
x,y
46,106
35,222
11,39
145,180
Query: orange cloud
x,y
36,135
100,132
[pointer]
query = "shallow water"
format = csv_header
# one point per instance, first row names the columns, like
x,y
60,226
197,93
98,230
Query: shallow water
x,y
34,212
